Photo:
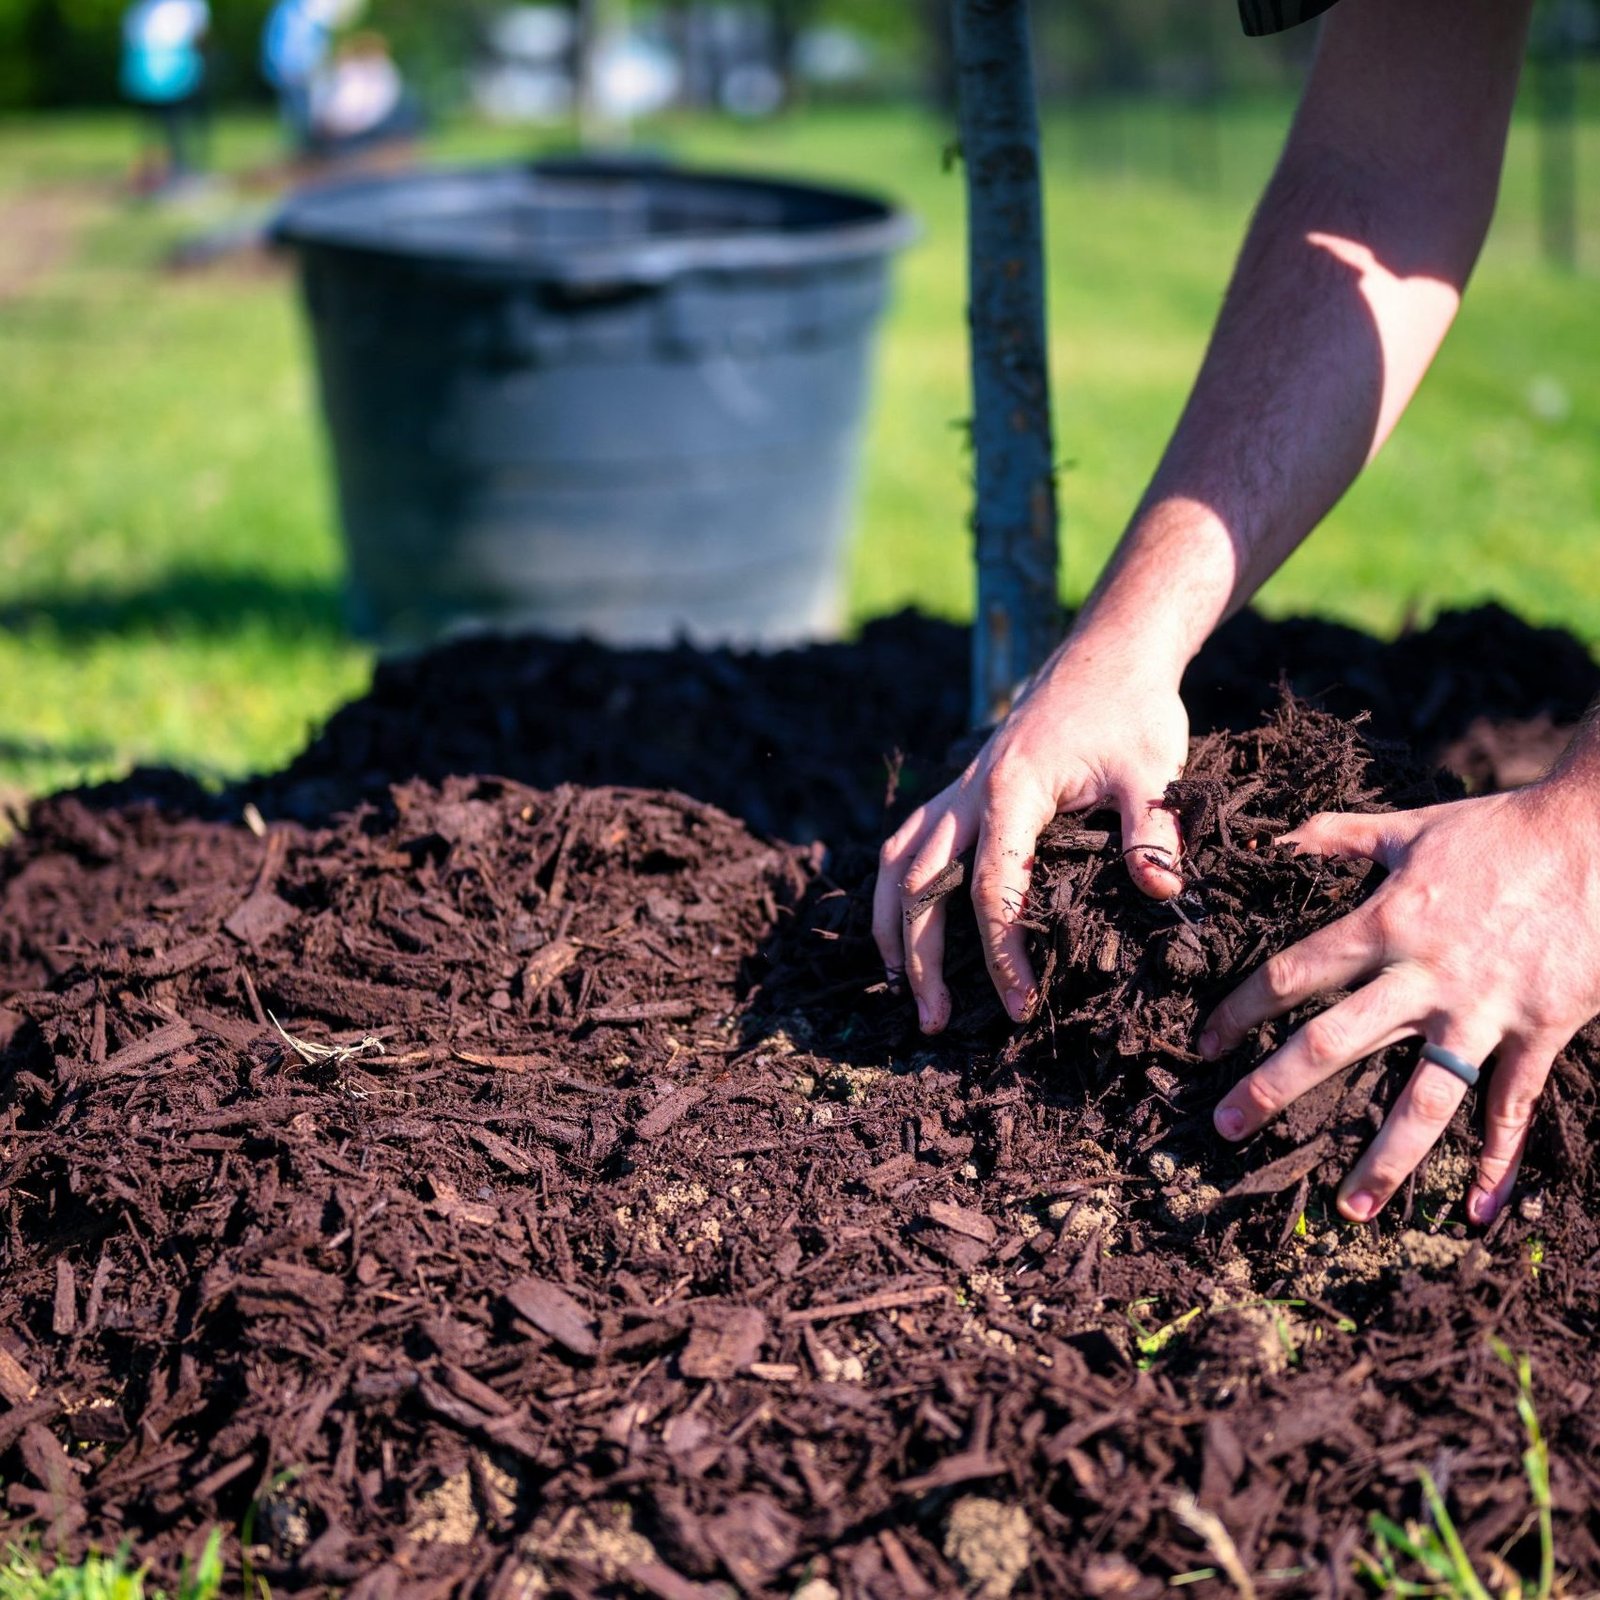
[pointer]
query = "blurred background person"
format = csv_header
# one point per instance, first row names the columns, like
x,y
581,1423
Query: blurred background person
x,y
296,46
163,71
359,100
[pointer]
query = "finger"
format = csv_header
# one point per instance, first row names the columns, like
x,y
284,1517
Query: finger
x,y
888,915
1419,1116
1335,957
1372,836
1521,1070
1001,876
1150,839
1380,1014
924,930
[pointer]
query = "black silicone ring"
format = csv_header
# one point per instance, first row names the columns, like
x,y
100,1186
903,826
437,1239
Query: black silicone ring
x,y
1451,1062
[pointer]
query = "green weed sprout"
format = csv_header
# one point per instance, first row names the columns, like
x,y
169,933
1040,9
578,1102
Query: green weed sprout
x,y
112,1577
1150,1342
1535,1464
1436,1547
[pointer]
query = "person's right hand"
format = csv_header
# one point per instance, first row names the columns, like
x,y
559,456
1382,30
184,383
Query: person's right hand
x,y
1095,728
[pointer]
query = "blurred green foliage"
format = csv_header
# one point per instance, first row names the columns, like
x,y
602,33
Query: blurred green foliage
x,y
64,52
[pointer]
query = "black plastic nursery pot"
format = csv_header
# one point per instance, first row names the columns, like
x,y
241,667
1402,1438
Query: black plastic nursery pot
x,y
619,399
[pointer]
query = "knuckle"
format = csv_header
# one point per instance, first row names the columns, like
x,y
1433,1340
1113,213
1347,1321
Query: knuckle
x,y
1280,977
988,874
1005,775
1327,1042
1394,918
1434,1097
990,893
1493,1165
1513,1114
1263,1095
1388,918
1002,766
1010,786
1541,1015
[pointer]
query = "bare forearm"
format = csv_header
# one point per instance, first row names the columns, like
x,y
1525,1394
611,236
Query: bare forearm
x,y
1348,280
1318,349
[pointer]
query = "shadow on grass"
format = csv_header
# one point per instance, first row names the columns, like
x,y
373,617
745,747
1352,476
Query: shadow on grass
x,y
187,601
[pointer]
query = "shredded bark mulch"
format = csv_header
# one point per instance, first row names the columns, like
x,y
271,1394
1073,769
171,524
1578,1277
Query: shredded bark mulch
x,y
521,1184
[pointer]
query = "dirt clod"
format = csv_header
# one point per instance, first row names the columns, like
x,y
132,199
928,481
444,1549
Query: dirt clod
x,y
1430,1252
988,1542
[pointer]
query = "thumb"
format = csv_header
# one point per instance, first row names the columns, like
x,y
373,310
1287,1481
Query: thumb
x,y
1150,840
1373,836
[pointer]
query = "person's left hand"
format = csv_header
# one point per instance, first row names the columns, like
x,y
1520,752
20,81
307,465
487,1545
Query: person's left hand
x,y
1484,939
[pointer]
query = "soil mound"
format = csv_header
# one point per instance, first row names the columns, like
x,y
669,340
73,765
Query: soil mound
x,y
503,1190
796,743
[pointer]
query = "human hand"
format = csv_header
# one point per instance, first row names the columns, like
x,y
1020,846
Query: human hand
x,y
1096,727
1484,939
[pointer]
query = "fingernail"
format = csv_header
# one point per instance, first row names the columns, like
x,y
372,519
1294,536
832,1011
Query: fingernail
x,y
924,1016
1018,1004
1482,1207
1230,1122
1210,1046
1360,1205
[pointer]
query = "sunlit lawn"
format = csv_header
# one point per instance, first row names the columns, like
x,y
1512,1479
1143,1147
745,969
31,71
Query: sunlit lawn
x,y
169,564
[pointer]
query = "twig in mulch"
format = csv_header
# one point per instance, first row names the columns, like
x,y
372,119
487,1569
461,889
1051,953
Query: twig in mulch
x,y
317,1055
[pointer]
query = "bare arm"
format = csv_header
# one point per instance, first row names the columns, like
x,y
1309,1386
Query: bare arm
x,y
1348,280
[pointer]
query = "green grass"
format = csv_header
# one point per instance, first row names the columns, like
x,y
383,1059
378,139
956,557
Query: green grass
x,y
169,563
25,1575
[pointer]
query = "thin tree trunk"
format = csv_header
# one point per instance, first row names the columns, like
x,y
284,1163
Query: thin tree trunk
x,y
1019,615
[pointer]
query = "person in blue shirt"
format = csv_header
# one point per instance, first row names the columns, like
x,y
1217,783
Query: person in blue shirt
x,y
295,46
164,70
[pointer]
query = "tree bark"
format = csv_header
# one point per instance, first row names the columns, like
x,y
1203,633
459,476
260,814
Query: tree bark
x,y
1019,614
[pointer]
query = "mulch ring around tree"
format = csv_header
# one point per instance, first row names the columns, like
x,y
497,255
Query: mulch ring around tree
x,y
468,1185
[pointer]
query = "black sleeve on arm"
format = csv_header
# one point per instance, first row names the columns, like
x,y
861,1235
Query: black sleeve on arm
x,y
1273,16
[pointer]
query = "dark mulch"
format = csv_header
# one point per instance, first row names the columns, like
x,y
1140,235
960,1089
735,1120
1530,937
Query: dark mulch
x,y
594,1222
795,743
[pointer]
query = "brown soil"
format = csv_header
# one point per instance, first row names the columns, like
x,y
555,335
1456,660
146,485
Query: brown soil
x,y
522,1184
